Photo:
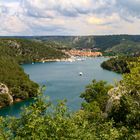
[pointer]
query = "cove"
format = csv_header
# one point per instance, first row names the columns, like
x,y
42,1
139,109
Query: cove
x,y
63,81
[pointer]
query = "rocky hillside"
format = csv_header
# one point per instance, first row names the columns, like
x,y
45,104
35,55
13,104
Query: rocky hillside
x,y
5,96
101,42
110,44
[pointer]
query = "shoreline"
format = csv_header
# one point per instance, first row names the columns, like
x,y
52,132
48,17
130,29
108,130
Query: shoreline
x,y
71,59
18,100
58,60
66,59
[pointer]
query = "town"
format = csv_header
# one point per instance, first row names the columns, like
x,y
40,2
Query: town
x,y
84,52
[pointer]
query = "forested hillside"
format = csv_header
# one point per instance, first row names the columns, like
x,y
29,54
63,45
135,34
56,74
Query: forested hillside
x,y
109,44
119,64
13,52
128,48
102,42
25,50
106,42
19,84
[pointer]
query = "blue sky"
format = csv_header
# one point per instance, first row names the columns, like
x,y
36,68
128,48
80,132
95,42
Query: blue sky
x,y
69,17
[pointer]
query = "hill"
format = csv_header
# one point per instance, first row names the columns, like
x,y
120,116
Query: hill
x,y
102,42
19,85
118,64
126,48
25,50
14,51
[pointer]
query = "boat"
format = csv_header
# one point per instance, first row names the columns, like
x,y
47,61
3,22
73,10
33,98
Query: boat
x,y
80,73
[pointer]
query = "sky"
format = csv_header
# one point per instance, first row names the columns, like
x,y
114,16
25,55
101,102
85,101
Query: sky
x,y
69,17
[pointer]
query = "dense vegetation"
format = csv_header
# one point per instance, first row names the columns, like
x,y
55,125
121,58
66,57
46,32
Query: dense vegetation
x,y
108,113
15,51
118,64
17,81
128,48
25,50
108,44
108,41
101,42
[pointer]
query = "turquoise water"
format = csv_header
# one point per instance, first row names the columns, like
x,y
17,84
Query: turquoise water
x,y
63,81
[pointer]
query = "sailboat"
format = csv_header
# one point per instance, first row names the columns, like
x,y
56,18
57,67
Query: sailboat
x,y
80,73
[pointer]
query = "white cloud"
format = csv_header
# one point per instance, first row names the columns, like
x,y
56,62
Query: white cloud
x,y
36,17
13,25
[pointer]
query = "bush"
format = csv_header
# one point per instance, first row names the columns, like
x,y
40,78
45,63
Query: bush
x,y
4,100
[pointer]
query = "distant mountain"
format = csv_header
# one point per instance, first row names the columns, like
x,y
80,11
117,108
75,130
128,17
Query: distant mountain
x,y
118,44
103,42
124,44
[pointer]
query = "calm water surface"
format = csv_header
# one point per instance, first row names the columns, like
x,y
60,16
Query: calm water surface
x,y
63,81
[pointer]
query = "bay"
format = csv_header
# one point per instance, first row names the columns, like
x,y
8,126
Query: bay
x,y
63,81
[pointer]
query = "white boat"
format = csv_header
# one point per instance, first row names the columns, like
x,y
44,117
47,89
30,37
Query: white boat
x,y
32,63
43,61
80,73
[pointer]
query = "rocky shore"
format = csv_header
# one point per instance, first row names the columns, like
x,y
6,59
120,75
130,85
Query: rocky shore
x,y
5,96
58,60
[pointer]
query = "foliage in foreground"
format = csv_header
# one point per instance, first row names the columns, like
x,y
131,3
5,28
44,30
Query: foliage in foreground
x,y
42,121
35,123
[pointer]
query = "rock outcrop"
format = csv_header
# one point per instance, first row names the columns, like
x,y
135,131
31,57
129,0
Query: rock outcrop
x,y
5,96
114,97
3,89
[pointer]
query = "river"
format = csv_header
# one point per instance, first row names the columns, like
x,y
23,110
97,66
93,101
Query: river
x,y
63,81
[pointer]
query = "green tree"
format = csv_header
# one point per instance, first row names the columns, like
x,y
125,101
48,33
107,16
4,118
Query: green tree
x,y
97,92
